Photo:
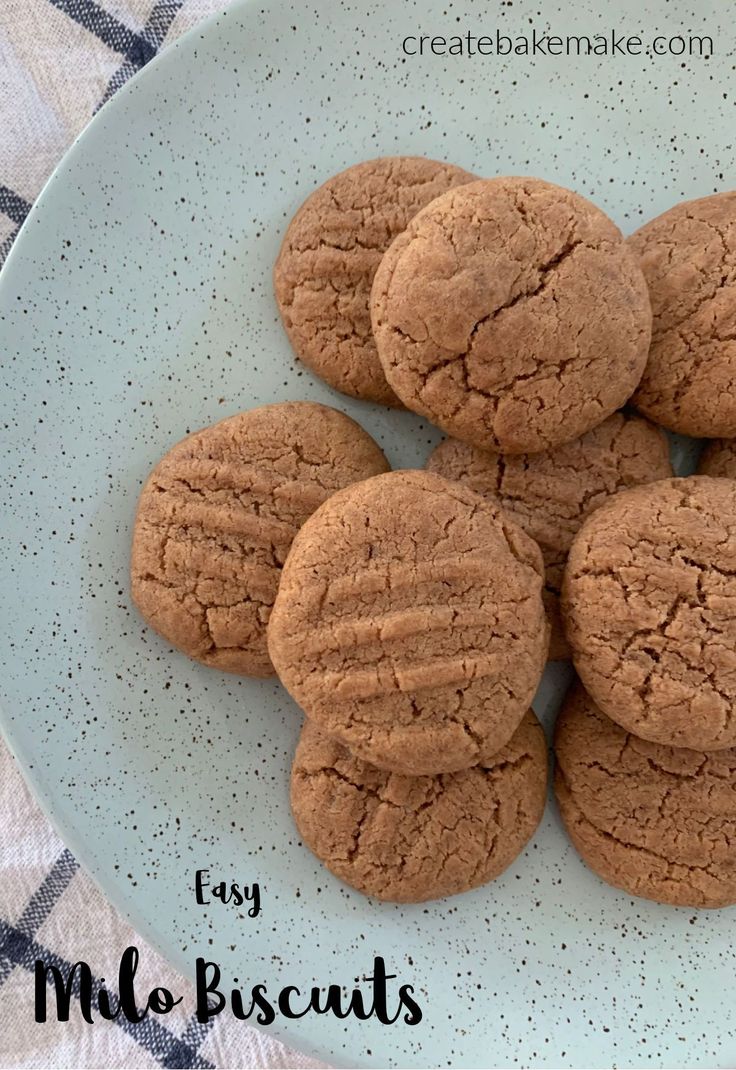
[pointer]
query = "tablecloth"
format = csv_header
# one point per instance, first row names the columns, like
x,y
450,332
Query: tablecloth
x,y
60,60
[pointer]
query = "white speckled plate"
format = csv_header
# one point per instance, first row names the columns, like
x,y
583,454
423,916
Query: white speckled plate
x,y
136,306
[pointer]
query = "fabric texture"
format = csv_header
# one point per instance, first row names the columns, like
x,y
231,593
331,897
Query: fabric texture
x,y
60,60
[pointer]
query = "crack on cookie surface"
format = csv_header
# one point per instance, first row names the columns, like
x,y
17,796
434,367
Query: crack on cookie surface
x,y
409,623
218,514
688,255
476,310
550,494
648,596
655,820
409,839
329,255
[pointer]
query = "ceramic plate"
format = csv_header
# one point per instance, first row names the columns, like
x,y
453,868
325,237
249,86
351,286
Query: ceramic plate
x,y
137,306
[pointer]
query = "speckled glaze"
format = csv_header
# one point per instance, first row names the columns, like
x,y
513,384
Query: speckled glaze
x,y
136,306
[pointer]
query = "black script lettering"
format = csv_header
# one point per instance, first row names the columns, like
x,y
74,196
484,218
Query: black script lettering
x,y
160,1000
206,988
64,990
413,1014
285,1003
227,893
333,1003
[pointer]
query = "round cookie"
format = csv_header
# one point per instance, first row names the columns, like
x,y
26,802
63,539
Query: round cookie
x,y
413,838
409,623
719,459
649,603
657,821
216,518
328,258
512,314
549,494
688,255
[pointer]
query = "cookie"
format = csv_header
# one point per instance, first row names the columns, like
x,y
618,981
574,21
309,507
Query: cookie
x,y
512,314
413,838
688,255
657,821
649,602
217,516
719,459
329,256
409,623
549,494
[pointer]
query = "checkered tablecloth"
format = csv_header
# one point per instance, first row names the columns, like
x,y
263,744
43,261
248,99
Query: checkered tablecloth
x,y
60,60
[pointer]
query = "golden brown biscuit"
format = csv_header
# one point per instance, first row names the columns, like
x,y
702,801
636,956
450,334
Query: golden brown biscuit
x,y
549,494
512,314
329,255
216,518
719,459
688,255
409,623
649,604
408,838
656,821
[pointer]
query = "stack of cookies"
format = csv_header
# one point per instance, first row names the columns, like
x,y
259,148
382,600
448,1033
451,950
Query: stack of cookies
x,y
646,754
409,626
410,614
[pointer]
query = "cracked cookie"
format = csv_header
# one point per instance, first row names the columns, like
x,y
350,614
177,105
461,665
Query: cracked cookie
x,y
549,494
329,255
649,604
656,821
217,516
719,459
512,314
688,255
409,623
413,838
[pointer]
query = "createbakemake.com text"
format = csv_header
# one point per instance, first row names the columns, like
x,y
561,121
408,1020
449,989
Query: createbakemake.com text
x,y
612,43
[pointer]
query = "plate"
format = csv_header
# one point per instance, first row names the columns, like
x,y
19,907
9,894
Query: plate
x,y
137,306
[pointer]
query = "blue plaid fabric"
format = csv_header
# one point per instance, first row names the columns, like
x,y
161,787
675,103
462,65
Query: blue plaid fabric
x,y
49,908
133,47
18,947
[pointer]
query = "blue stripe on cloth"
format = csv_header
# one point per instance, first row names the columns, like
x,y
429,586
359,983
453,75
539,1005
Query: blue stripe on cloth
x,y
42,902
159,23
111,31
13,206
168,1049
6,967
193,1037
48,894
196,1032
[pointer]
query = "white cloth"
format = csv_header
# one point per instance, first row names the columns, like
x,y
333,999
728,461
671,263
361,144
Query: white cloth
x,y
59,60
